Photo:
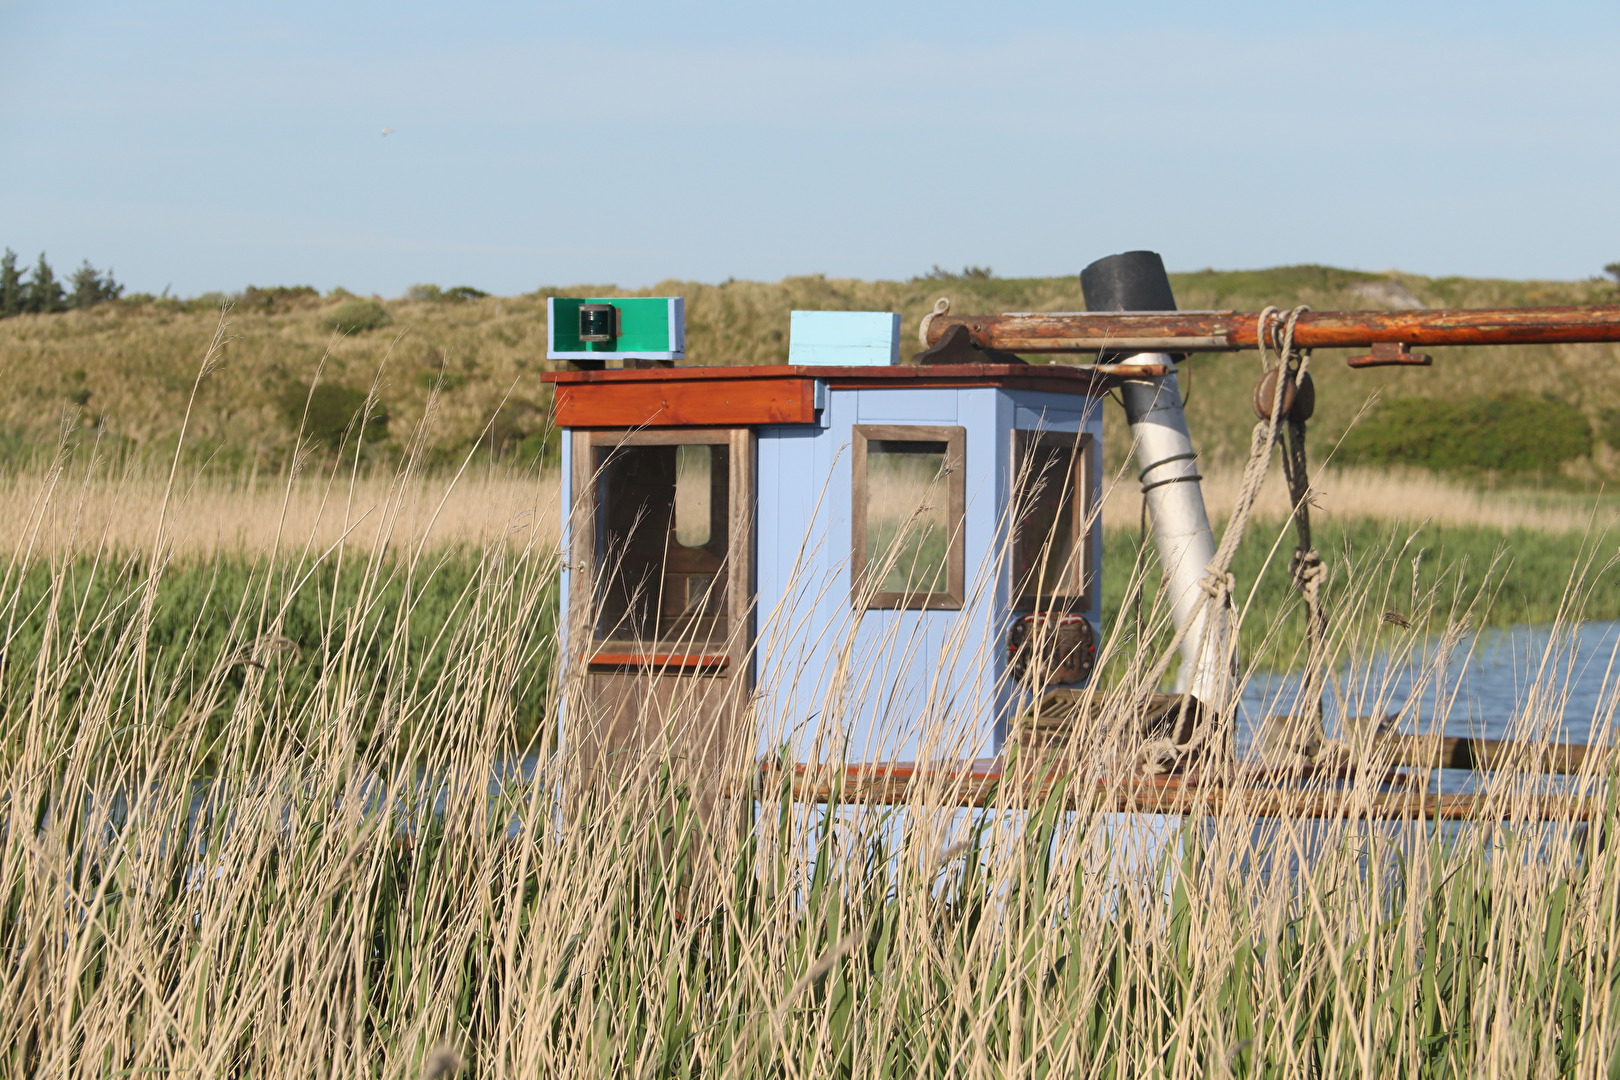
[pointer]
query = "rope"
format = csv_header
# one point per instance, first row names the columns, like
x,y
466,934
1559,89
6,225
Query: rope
x,y
1275,337
1306,569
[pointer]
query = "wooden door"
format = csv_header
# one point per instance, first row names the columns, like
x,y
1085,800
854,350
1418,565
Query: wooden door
x,y
661,621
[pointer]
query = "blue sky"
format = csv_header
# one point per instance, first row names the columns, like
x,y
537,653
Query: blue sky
x,y
210,146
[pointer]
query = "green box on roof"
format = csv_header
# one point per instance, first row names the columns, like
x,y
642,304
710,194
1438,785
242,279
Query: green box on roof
x,y
649,328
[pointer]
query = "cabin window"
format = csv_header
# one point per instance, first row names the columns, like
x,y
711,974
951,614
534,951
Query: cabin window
x,y
908,509
663,512
1051,511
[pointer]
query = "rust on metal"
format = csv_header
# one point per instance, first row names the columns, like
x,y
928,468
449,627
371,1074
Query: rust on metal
x,y
1391,354
1226,331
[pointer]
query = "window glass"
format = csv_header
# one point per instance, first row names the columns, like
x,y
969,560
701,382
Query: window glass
x,y
907,515
662,515
1048,507
694,479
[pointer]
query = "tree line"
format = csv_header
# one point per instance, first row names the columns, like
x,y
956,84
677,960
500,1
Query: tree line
x,y
39,292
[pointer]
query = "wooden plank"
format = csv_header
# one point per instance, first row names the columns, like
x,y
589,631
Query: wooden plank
x,y
1487,755
1087,379
675,403
1207,331
658,660
981,784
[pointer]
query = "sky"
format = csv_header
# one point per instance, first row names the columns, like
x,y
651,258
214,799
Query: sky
x,y
201,146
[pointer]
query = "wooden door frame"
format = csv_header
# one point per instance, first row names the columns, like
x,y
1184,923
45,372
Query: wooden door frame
x,y
730,662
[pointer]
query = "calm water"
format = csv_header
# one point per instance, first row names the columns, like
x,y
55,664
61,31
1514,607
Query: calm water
x,y
1483,689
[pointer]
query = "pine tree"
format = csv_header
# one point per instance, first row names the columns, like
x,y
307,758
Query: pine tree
x,y
11,286
91,287
86,286
44,291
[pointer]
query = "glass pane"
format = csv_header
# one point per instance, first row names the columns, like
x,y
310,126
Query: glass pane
x,y
907,516
661,535
1044,545
694,469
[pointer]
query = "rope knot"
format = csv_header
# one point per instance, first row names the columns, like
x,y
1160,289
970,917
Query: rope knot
x,y
1307,567
1217,585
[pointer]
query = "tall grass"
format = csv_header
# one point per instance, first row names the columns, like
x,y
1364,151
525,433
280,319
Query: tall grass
x,y
356,869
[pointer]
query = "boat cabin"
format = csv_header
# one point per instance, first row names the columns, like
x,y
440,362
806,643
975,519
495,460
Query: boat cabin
x,y
842,558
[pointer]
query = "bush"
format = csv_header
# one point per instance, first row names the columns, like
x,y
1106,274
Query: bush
x,y
357,316
1608,426
208,301
432,294
332,409
1510,433
275,298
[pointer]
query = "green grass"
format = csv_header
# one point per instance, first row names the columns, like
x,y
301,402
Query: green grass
x,y
214,623
1518,577
375,628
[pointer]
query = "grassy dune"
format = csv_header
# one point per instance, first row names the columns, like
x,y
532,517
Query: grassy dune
x,y
129,366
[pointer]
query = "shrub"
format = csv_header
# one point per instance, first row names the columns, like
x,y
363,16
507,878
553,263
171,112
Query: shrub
x,y
208,301
332,409
1509,433
1608,426
969,273
434,295
357,316
277,297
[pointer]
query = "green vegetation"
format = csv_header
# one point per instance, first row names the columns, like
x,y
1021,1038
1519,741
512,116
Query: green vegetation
x,y
458,294
379,628
136,355
356,869
357,316
327,412
1519,577
1510,433
40,293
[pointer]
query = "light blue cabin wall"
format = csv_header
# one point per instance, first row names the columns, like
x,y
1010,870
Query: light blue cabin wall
x,y
834,685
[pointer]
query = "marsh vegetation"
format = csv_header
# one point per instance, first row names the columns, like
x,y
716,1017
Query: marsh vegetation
x,y
281,796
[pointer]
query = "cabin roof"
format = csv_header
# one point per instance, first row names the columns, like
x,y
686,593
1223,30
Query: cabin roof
x,y
786,394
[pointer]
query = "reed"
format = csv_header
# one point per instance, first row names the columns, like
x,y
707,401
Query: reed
x,y
257,869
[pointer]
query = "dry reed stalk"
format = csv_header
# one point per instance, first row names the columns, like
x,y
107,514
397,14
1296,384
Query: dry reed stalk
x,y
207,517
353,871
211,515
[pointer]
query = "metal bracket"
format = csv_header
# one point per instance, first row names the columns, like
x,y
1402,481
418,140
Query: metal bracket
x,y
1391,354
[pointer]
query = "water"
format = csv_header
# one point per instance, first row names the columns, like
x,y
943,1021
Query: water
x,y
1482,689
1524,682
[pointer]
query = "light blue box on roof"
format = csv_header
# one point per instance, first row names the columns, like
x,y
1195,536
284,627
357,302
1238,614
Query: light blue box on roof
x,y
844,338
